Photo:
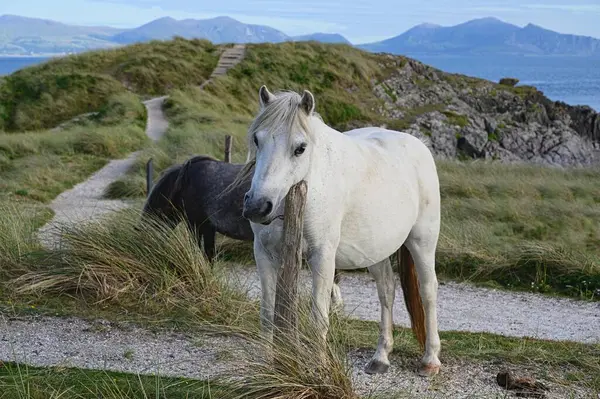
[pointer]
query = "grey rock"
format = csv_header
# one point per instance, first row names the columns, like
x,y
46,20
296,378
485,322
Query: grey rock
x,y
487,120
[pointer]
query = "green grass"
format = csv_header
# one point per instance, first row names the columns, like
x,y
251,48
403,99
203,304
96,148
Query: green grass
x,y
521,226
456,119
37,166
43,96
19,381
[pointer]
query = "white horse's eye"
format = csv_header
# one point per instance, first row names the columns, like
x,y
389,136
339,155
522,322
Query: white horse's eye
x,y
255,140
300,149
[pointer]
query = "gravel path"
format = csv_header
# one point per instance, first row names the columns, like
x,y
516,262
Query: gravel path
x,y
85,202
462,307
101,345
157,123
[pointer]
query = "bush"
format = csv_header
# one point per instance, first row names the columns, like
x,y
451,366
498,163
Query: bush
x,y
509,81
42,101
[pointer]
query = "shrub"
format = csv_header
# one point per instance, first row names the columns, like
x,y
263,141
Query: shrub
x,y
509,81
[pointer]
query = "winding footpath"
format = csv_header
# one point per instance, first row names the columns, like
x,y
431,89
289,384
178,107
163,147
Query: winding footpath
x,y
98,344
84,202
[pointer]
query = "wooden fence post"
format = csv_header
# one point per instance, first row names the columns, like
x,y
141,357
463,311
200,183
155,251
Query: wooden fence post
x,y
228,142
149,176
286,296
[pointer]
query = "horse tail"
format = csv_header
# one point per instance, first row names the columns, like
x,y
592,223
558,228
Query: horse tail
x,y
412,297
160,199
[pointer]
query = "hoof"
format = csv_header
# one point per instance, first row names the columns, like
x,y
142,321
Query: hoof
x,y
429,370
376,367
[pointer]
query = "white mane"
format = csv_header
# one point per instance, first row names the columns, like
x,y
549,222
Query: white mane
x,y
282,112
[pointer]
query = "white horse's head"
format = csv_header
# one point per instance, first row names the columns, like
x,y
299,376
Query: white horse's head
x,y
280,145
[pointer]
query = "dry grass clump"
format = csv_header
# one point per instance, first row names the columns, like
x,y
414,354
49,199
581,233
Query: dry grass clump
x,y
285,368
124,262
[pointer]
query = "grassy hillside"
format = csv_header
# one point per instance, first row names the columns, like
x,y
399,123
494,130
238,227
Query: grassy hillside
x,y
43,96
37,166
526,227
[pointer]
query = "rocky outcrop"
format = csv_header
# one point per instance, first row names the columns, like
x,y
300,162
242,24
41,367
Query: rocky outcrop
x,y
473,118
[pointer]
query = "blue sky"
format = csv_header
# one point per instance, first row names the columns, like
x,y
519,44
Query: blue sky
x,y
359,21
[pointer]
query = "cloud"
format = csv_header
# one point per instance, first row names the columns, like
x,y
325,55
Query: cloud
x,y
593,8
496,9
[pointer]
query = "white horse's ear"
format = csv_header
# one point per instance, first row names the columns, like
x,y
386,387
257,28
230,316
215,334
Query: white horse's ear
x,y
308,102
264,96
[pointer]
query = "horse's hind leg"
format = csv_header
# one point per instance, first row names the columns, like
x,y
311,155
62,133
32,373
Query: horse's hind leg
x,y
421,244
337,304
386,289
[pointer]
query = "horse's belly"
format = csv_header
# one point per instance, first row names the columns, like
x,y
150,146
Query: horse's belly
x,y
350,257
378,219
364,244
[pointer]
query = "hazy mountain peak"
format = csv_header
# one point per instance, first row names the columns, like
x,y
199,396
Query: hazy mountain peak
x,y
427,25
487,35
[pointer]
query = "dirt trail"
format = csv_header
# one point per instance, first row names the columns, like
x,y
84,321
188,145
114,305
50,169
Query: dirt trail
x,y
101,345
462,307
84,202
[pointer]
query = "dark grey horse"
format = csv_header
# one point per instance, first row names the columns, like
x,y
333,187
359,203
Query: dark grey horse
x,y
192,191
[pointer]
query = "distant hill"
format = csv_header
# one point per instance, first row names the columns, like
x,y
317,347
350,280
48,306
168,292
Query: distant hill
x,y
323,38
217,30
21,35
485,36
28,36
24,36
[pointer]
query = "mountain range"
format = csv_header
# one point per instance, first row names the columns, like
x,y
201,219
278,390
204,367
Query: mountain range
x,y
485,36
32,36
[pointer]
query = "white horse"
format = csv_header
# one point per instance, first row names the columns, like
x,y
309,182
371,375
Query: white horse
x,y
370,191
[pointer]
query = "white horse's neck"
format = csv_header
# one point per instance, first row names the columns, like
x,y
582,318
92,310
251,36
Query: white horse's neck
x,y
331,150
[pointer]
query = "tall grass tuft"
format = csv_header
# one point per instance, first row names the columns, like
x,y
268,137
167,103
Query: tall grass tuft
x,y
124,261
17,235
303,369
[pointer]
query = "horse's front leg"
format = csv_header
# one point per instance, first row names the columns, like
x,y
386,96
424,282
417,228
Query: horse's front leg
x,y
267,273
323,269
